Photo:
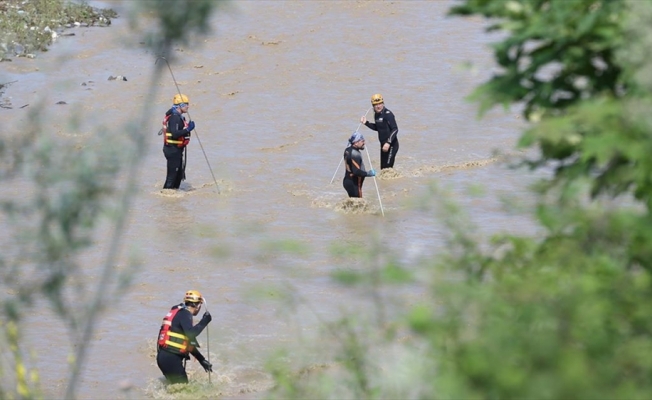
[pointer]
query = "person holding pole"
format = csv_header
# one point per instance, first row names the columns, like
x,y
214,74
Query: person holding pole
x,y
176,136
177,338
355,172
385,125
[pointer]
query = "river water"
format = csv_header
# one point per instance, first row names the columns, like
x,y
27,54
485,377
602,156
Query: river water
x,y
276,89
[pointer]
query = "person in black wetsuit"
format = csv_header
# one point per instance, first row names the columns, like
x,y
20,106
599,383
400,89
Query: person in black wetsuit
x,y
176,136
355,172
177,338
385,125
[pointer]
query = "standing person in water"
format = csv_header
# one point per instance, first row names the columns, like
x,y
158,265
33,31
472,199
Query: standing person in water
x,y
176,136
385,125
177,338
355,171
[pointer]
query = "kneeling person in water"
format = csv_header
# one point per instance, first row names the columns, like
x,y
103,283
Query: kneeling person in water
x,y
355,171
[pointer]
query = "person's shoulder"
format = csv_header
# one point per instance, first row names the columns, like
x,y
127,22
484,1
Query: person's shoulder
x,y
388,111
184,313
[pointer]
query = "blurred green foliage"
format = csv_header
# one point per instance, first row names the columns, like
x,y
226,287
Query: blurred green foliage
x,y
564,314
179,21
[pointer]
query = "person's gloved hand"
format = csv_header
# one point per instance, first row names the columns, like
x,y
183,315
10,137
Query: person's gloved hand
x,y
191,126
371,172
208,367
207,316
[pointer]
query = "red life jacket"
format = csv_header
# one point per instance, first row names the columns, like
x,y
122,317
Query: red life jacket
x,y
167,137
174,342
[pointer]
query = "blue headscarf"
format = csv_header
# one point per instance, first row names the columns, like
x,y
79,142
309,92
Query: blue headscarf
x,y
177,107
357,136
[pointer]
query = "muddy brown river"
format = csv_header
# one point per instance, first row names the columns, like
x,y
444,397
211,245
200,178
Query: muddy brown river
x,y
276,90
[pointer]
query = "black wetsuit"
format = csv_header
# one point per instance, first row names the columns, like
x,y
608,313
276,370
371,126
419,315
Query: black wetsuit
x,y
174,154
354,173
387,130
172,365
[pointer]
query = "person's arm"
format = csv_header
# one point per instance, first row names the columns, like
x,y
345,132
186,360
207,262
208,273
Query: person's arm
x,y
393,127
186,324
176,127
371,125
208,367
199,356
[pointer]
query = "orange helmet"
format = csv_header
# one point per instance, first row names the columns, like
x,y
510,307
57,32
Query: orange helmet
x,y
193,296
377,99
180,98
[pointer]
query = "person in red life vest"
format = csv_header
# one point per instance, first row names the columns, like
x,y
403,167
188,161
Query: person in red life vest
x,y
385,124
177,338
175,139
355,172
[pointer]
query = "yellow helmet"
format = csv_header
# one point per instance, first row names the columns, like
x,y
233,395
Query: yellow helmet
x,y
180,98
193,296
377,99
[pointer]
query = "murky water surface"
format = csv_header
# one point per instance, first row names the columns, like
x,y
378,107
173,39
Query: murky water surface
x,y
276,90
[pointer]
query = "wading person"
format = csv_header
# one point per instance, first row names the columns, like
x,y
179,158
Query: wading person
x,y
385,125
175,139
355,172
177,338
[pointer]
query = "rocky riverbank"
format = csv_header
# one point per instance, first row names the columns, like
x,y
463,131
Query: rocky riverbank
x,y
29,27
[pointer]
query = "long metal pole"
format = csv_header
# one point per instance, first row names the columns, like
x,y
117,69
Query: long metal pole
x,y
376,183
208,344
